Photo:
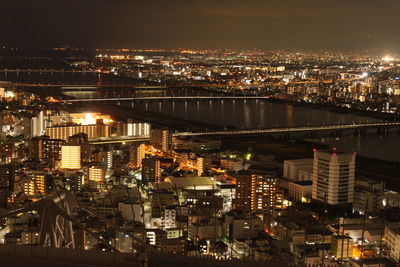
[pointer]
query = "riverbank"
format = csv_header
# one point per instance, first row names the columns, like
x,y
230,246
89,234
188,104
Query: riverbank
x,y
365,113
340,110
158,120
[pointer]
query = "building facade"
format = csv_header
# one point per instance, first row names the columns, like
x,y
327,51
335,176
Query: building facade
x,y
257,193
161,139
151,170
71,157
92,131
333,177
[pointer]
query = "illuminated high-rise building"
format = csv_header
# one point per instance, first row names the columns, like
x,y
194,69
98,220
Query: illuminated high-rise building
x,y
35,185
333,177
136,155
107,159
151,170
37,125
137,128
203,164
42,148
92,131
71,157
257,193
161,139
40,183
96,174
29,187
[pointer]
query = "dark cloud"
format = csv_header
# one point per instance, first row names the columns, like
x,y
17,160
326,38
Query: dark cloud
x,y
287,24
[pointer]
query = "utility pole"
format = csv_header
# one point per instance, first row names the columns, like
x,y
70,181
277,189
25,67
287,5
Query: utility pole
x,y
363,230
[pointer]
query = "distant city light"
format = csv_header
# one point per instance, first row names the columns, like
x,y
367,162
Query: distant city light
x,y
90,118
387,58
137,163
9,94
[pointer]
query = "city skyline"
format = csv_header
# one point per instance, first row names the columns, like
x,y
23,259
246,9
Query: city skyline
x,y
270,25
200,133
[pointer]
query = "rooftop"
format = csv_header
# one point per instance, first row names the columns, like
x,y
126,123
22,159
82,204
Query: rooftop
x,y
199,183
303,183
300,161
395,227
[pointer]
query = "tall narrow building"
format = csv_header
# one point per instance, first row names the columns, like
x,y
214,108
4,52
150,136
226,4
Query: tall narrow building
x,y
151,170
333,177
136,155
37,125
257,193
7,179
161,139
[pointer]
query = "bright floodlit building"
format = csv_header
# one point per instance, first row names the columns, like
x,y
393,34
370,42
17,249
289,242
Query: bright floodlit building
x,y
92,131
71,157
96,173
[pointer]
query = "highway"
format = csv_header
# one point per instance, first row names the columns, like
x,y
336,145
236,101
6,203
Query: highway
x,y
285,130
135,86
171,98
120,139
165,85
292,129
47,71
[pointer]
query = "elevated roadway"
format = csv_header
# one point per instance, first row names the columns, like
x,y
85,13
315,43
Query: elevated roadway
x,y
292,129
282,130
167,98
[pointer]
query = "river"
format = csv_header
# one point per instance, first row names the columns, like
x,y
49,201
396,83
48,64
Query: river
x,y
264,114
239,113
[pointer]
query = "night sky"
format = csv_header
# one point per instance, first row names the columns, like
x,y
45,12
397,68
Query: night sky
x,y
264,24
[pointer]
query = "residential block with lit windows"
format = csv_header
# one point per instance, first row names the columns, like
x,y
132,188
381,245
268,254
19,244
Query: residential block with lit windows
x,y
257,193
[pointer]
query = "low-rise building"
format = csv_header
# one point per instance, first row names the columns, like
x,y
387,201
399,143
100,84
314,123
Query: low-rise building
x,y
241,227
293,168
232,164
392,239
300,191
368,195
341,247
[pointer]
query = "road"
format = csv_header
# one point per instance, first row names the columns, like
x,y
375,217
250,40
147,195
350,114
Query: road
x,y
292,129
170,98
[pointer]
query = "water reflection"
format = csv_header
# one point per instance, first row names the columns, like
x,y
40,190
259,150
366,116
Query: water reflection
x,y
255,114
289,115
371,145
247,117
250,113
